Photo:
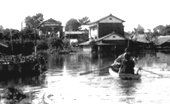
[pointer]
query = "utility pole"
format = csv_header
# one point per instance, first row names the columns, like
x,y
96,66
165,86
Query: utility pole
x,y
22,38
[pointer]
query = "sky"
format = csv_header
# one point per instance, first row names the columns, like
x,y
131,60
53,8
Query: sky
x,y
147,13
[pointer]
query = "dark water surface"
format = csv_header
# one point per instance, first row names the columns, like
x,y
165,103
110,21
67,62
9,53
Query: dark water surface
x,y
63,84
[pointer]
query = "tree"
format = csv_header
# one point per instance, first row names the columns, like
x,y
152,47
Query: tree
x,y
72,25
166,30
34,21
159,30
162,30
139,30
1,28
84,20
1,31
6,34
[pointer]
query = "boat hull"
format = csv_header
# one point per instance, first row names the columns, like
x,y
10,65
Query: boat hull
x,y
124,76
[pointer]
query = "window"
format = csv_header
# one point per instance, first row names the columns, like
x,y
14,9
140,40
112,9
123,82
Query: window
x,y
110,18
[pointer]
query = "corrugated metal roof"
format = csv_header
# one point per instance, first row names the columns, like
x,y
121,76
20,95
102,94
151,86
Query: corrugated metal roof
x,y
86,43
161,39
3,45
105,44
140,38
74,32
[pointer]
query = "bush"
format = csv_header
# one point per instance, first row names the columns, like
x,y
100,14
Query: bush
x,y
42,45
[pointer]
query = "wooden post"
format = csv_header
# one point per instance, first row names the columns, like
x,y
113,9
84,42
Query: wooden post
x,y
11,41
35,42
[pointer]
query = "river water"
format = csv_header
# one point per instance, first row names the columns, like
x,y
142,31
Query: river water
x,y
63,84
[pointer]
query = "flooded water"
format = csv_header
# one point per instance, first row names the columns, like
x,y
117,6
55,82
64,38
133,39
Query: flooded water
x,y
63,83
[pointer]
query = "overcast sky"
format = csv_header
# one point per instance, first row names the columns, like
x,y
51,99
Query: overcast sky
x,y
147,13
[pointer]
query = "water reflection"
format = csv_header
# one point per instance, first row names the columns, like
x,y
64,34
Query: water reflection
x,y
62,83
23,81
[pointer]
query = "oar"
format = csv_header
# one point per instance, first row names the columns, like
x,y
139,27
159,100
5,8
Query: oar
x,y
88,72
150,72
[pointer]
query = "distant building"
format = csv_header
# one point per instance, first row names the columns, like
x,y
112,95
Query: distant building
x,y
140,38
51,27
74,35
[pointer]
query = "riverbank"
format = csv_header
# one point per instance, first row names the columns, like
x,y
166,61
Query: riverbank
x,y
12,66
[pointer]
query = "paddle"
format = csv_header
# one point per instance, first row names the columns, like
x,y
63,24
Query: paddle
x,y
151,72
88,72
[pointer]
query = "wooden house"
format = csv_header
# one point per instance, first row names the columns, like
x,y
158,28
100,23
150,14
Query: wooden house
x,y
106,26
51,27
107,34
111,43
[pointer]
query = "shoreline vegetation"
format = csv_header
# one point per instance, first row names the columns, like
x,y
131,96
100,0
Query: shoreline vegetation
x,y
19,58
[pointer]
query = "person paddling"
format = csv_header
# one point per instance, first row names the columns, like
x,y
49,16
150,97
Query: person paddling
x,y
118,63
127,65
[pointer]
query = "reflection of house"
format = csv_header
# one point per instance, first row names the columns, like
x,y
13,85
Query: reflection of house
x,y
107,34
51,27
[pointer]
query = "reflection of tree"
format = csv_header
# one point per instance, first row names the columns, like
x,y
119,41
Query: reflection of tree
x,y
152,59
56,61
163,58
32,81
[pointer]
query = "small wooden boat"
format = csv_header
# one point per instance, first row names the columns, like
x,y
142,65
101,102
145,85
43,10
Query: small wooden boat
x,y
124,76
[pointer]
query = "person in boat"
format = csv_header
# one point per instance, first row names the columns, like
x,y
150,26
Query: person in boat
x,y
118,63
127,65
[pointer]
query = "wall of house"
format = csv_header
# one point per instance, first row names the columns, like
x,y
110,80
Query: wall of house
x,y
114,37
107,28
87,49
93,32
118,43
110,19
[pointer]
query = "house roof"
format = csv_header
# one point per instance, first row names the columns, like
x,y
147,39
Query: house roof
x,y
102,44
105,18
140,38
161,39
86,43
104,37
74,32
49,21
3,45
